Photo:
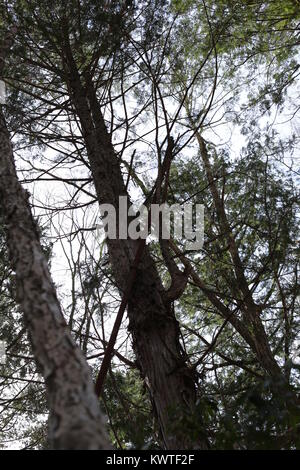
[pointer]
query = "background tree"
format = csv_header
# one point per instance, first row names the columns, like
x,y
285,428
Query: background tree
x,y
109,92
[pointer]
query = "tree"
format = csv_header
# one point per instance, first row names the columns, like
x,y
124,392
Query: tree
x,y
153,325
170,101
75,418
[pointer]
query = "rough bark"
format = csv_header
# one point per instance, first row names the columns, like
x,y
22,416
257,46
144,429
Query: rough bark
x,y
154,328
75,420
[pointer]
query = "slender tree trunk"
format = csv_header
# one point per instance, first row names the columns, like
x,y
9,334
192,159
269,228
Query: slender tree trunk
x,y
251,312
154,328
75,420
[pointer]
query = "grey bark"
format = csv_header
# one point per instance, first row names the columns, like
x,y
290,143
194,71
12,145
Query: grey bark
x,y
75,421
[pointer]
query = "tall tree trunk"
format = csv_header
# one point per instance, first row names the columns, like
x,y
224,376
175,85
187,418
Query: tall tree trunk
x,y
250,310
154,328
75,420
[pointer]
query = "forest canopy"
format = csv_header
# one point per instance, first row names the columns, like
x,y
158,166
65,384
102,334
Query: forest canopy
x,y
132,343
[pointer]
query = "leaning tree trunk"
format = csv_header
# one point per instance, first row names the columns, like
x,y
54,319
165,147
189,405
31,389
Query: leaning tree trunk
x,y
154,328
75,420
250,310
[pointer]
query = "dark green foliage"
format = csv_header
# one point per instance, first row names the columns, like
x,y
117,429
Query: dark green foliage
x,y
129,412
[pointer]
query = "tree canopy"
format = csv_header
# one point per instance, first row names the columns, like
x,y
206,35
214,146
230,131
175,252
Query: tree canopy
x,y
158,101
